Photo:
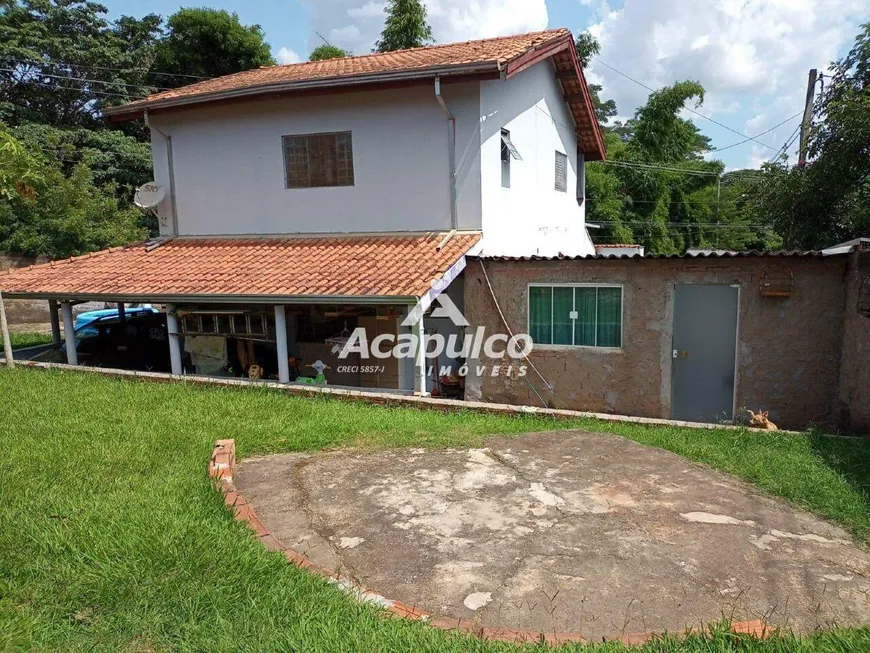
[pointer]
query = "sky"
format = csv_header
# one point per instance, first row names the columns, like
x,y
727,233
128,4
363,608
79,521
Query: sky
x,y
751,56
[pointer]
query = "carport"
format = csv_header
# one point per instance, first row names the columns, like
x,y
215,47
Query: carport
x,y
276,291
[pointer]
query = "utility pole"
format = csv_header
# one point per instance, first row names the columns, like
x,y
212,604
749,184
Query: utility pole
x,y
808,116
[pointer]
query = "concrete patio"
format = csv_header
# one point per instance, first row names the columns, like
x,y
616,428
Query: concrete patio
x,y
562,531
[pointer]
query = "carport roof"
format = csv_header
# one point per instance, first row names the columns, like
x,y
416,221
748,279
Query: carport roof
x,y
267,269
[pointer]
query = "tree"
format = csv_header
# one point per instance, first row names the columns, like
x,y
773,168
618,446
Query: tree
x,y
67,216
658,191
327,51
61,61
207,43
405,26
828,200
659,132
115,159
587,47
20,170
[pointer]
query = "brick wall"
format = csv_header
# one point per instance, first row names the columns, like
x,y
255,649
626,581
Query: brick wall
x,y
789,349
855,369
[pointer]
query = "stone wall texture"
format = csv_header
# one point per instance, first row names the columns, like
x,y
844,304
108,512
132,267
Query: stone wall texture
x,y
789,349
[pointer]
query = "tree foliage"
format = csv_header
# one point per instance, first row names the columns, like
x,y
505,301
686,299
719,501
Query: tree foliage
x,y
68,216
828,200
587,47
207,42
114,158
61,62
20,170
405,26
328,51
656,189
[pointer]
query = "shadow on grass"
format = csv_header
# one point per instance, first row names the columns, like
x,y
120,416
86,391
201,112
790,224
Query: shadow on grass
x,y
849,457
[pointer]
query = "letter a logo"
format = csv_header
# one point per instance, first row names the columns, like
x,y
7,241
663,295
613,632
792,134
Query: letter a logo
x,y
446,308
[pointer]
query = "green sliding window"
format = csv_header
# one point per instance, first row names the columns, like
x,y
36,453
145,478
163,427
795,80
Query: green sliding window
x,y
563,305
541,314
609,319
587,316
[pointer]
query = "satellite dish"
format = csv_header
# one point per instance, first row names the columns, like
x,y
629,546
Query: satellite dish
x,y
149,195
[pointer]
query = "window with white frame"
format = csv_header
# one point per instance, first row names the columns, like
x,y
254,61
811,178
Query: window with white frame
x,y
561,172
318,160
508,152
576,315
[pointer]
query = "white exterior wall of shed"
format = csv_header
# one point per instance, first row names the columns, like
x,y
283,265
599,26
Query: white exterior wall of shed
x,y
229,166
530,217
635,250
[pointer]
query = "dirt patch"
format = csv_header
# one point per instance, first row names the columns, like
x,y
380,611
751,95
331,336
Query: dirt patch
x,y
563,531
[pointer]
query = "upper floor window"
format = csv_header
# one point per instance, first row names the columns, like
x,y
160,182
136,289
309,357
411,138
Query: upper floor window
x,y
317,160
508,151
561,172
578,315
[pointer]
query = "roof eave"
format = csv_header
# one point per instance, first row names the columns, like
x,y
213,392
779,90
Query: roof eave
x,y
547,50
135,110
215,299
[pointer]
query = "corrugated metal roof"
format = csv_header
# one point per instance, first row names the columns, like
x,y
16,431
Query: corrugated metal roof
x,y
748,254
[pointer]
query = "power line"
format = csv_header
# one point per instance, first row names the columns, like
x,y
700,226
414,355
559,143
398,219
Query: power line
x,y
89,81
728,147
707,225
687,171
690,110
789,142
650,166
91,91
95,67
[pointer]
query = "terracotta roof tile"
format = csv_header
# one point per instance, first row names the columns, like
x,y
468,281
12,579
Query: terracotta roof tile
x,y
368,266
503,55
460,55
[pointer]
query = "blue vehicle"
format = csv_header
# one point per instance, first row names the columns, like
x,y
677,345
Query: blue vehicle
x,y
84,319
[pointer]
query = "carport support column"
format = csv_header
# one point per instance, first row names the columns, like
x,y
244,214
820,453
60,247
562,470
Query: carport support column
x,y
419,358
69,333
174,341
55,322
281,340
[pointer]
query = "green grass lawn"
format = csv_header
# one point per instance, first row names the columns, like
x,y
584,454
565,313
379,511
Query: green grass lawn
x,y
112,538
21,340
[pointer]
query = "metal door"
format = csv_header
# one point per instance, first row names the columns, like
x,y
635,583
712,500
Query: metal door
x,y
704,350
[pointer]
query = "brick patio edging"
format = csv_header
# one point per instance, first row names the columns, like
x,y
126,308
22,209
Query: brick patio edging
x,y
222,467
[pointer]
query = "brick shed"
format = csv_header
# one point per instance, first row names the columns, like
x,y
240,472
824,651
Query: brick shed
x,y
605,337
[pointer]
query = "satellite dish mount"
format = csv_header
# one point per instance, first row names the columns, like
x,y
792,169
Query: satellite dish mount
x,y
149,195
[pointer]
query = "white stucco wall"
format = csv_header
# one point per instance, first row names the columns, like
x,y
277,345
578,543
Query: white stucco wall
x,y
229,167
530,217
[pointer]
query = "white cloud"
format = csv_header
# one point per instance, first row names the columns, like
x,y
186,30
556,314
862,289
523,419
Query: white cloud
x,y
751,56
368,10
357,24
286,55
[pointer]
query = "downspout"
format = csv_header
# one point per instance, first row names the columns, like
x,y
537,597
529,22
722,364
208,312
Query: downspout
x,y
168,139
451,153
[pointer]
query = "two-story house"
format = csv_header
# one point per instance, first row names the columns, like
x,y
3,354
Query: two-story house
x,y
304,200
